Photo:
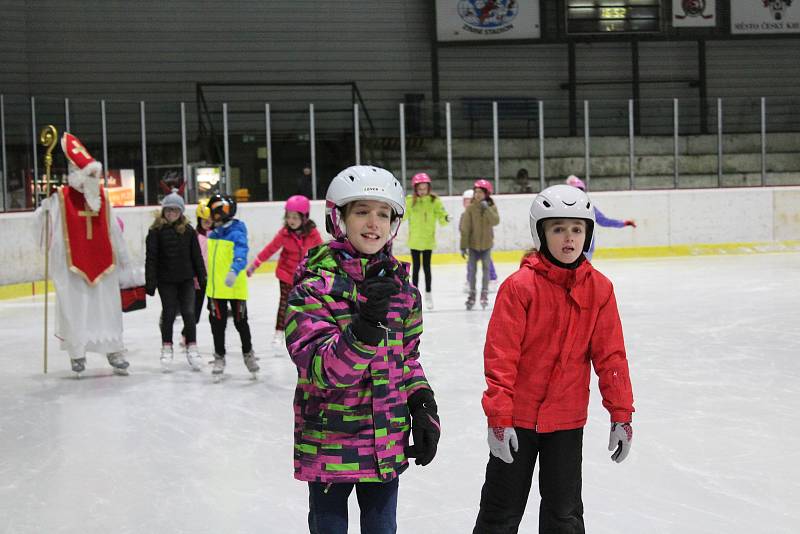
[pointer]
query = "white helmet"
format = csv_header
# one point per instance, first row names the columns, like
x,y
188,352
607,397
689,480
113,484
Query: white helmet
x,y
561,202
362,182
468,194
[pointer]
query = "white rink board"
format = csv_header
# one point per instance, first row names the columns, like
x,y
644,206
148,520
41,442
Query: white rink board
x,y
683,217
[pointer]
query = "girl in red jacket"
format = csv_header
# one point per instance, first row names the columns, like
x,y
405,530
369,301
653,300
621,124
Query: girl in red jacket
x,y
552,318
298,235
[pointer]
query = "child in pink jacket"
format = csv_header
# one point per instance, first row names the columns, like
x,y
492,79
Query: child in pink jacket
x,y
298,235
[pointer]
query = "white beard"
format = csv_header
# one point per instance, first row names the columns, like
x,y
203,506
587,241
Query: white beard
x,y
87,181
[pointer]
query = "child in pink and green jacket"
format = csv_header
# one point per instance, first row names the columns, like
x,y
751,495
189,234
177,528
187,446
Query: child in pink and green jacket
x,y
353,331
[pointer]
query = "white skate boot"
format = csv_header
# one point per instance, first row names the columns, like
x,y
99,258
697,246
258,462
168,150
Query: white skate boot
x,y
217,368
278,344
78,366
118,362
251,362
428,301
193,357
166,357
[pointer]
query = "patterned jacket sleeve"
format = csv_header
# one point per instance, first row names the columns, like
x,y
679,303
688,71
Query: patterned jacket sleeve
x,y
611,364
413,375
324,355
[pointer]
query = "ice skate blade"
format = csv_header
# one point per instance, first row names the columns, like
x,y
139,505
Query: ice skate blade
x,y
120,372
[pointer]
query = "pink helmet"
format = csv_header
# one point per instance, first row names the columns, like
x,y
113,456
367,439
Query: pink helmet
x,y
420,178
484,184
574,181
298,203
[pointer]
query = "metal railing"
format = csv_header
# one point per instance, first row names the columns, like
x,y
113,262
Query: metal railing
x,y
749,142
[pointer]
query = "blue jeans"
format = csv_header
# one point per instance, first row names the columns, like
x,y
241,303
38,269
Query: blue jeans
x,y
327,503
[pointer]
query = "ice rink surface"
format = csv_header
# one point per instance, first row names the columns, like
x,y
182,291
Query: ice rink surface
x,y
714,349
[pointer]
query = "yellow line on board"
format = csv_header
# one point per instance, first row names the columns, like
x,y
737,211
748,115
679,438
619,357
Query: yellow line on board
x,y
27,289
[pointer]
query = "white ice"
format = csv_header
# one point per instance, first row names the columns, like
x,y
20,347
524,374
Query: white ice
x,y
714,349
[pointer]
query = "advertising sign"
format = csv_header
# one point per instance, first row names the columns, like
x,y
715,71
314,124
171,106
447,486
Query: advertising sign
x,y
486,20
121,187
765,16
694,13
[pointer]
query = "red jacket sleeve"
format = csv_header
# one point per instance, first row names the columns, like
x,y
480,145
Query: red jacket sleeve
x,y
273,247
607,350
501,354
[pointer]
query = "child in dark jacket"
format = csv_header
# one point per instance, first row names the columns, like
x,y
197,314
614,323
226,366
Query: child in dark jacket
x,y
298,235
553,318
173,261
353,327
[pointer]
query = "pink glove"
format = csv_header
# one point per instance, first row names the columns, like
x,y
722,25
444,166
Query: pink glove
x,y
630,222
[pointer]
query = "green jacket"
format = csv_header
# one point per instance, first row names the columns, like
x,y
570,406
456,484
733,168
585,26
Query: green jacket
x,y
422,217
476,226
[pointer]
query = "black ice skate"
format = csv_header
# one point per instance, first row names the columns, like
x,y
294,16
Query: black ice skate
x,y
470,300
251,362
117,362
217,368
484,299
78,366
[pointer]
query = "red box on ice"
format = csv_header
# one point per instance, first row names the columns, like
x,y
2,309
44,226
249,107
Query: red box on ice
x,y
133,298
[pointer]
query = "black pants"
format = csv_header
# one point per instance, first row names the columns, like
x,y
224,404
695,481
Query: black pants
x,y
199,298
426,266
218,316
506,489
175,296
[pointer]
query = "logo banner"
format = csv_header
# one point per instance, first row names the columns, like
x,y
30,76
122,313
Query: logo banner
x,y
694,13
765,16
487,20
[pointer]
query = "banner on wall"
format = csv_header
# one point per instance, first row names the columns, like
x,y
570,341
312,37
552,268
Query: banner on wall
x,y
765,16
694,13
121,187
487,20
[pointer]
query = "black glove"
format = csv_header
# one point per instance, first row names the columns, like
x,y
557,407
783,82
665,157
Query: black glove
x,y
377,289
150,290
425,427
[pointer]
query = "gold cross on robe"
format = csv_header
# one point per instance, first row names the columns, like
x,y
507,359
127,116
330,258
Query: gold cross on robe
x,y
88,213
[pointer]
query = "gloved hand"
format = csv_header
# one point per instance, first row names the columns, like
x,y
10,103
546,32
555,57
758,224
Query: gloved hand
x,y
251,269
447,218
150,290
464,253
377,289
620,439
500,442
425,427
630,222
230,279
484,204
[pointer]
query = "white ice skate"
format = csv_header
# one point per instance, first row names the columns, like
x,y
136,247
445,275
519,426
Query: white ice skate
x,y
117,361
428,301
193,357
78,366
251,362
278,344
166,357
217,368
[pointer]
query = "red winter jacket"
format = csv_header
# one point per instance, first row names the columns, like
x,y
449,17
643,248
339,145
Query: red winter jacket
x,y
293,249
548,324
